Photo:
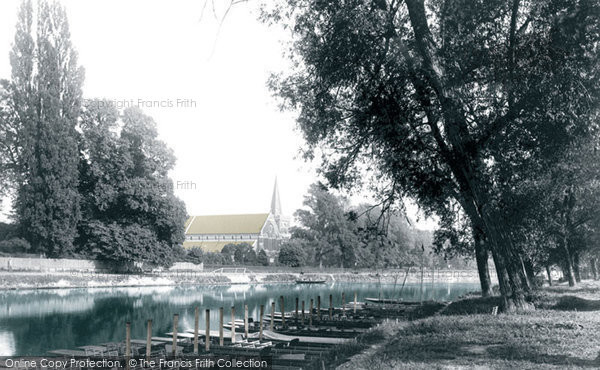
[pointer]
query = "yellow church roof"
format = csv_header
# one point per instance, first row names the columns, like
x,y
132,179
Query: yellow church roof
x,y
209,246
226,224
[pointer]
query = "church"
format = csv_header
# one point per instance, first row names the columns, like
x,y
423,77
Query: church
x,y
263,231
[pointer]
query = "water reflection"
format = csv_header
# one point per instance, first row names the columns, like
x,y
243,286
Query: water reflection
x,y
34,322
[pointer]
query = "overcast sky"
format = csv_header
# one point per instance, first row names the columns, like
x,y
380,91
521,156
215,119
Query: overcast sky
x,y
230,139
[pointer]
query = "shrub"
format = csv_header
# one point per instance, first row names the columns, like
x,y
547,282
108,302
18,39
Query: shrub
x,y
14,245
262,258
292,254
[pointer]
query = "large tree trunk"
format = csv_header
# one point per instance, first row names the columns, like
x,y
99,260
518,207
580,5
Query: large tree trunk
x,y
568,263
576,265
549,273
510,259
593,267
530,271
455,144
481,256
525,277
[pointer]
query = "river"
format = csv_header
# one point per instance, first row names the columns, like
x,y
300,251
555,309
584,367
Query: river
x,y
33,322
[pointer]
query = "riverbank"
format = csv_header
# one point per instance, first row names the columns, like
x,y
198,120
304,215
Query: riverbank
x,y
75,279
562,333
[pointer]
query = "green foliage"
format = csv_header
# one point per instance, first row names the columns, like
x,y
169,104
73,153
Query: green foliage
x,y
262,258
292,254
8,231
240,253
130,211
14,245
197,256
333,233
44,97
446,102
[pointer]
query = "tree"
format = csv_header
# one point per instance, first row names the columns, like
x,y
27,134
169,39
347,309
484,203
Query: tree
x,y
442,103
130,212
326,227
564,213
456,237
14,245
42,104
292,254
262,258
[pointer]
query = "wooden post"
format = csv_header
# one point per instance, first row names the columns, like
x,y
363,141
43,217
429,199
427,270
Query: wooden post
x,y
296,311
272,314
175,324
207,335
196,328
246,320
282,303
343,304
355,298
221,339
310,313
319,307
149,339
260,325
421,290
302,317
232,324
331,307
127,339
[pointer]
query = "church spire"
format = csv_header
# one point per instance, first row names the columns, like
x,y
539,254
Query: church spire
x,y
275,201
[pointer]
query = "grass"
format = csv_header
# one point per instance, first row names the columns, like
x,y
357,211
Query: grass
x,y
562,333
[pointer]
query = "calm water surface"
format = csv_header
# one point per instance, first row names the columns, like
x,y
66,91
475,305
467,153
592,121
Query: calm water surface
x,y
33,322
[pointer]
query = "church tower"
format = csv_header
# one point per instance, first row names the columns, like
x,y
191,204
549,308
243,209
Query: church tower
x,y
276,201
282,221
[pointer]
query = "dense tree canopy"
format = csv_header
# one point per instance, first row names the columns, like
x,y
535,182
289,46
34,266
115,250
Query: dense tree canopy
x,y
447,101
333,233
39,146
88,179
129,210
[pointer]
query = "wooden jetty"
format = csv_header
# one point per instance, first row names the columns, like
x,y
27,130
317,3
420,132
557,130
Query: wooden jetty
x,y
299,339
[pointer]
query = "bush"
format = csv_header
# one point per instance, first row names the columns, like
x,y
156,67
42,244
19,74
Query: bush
x,y
14,245
262,258
8,231
241,254
292,254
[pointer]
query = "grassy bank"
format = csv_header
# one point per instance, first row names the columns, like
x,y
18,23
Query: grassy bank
x,y
563,332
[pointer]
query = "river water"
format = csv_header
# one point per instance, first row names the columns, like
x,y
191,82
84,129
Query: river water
x,y
33,322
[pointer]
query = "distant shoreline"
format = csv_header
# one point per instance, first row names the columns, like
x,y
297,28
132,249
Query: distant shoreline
x,y
21,280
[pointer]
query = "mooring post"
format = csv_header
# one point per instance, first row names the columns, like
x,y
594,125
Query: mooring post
x,y
221,339
127,339
302,317
196,328
175,324
421,290
246,320
207,335
310,313
319,307
282,311
232,324
343,304
149,339
260,325
355,298
272,314
331,307
296,311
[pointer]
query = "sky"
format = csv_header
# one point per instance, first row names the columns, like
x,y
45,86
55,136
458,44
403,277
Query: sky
x,y
205,86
